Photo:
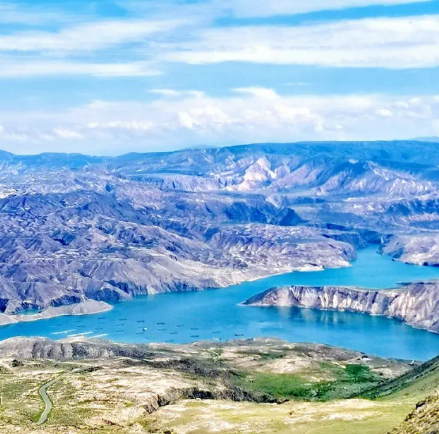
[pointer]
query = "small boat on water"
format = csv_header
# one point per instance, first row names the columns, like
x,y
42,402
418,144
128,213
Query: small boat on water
x,y
144,329
174,333
216,339
123,319
170,341
160,323
239,335
141,321
195,336
217,333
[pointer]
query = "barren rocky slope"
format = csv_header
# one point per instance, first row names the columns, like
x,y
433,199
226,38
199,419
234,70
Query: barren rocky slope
x,y
75,227
423,420
416,304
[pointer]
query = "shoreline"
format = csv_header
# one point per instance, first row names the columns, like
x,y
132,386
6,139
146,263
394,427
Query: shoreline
x,y
92,307
412,304
87,307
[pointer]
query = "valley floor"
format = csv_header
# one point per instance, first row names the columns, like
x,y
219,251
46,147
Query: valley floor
x,y
257,386
338,417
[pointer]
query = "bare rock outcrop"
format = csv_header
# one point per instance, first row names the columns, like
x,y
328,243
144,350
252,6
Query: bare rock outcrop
x,y
86,307
416,304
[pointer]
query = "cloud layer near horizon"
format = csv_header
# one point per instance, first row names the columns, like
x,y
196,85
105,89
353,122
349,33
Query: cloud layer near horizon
x,y
253,115
164,74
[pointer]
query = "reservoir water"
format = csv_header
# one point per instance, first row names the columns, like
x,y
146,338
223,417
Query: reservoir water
x,y
216,314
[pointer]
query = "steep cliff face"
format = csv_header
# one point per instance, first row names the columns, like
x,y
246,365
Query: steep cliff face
x,y
107,229
416,304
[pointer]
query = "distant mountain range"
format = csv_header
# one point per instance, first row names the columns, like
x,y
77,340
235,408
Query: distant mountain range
x,y
107,228
433,139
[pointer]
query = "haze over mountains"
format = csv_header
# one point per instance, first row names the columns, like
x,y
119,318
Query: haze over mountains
x,y
434,139
75,227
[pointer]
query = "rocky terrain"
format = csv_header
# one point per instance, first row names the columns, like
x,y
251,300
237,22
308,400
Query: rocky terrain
x,y
107,388
416,249
87,307
424,419
262,386
416,304
74,227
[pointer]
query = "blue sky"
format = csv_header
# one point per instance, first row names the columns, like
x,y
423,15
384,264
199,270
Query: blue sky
x,y
108,77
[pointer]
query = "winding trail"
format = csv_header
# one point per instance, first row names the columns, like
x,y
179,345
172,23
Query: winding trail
x,y
46,400
42,391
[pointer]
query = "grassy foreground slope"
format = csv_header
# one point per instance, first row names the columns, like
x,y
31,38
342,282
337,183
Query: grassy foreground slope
x,y
424,419
421,384
252,386
380,410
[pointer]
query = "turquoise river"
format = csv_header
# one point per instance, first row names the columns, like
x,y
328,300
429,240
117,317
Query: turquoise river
x,y
216,314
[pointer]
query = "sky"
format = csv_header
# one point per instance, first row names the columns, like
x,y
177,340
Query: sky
x,y
109,77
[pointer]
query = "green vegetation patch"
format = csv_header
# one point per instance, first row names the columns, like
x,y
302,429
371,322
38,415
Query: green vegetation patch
x,y
341,383
360,374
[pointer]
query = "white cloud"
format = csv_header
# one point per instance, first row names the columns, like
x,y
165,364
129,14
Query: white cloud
x,y
37,68
86,37
264,8
122,125
248,117
12,136
384,113
67,134
409,42
258,92
211,9
172,93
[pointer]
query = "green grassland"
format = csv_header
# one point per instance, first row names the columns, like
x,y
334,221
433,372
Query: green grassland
x,y
264,389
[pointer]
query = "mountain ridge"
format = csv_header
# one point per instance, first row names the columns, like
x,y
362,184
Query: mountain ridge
x,y
110,226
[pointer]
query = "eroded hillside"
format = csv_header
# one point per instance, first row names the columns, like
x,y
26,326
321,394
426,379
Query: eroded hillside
x,y
75,227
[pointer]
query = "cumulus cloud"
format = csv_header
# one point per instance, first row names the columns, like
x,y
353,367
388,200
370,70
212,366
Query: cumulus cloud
x,y
163,124
152,42
409,42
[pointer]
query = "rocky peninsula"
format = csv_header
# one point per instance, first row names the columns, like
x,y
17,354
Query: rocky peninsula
x,y
86,307
416,304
